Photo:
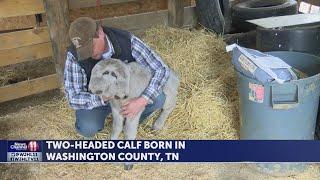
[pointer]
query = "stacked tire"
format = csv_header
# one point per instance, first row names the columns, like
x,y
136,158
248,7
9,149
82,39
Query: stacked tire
x,y
255,9
304,38
214,15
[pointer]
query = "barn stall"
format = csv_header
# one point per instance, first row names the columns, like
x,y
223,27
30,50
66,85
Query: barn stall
x,y
33,105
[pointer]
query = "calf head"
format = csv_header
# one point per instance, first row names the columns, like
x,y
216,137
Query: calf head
x,y
110,78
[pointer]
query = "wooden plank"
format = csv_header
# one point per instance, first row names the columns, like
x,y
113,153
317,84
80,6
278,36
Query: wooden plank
x,y
188,3
190,17
23,38
75,4
58,23
138,21
26,53
15,23
10,8
30,87
175,13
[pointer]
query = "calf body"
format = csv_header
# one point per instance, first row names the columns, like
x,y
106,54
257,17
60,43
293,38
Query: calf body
x,y
121,81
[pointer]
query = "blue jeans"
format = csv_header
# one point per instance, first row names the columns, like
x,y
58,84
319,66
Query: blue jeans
x,y
89,122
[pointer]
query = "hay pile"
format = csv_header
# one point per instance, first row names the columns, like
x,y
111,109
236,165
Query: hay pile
x,y
206,106
206,109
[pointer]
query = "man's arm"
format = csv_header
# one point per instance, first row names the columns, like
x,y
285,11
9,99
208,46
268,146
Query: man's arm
x,y
74,83
149,59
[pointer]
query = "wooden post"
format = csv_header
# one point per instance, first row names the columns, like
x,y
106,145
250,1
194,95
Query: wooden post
x,y
176,13
188,3
57,12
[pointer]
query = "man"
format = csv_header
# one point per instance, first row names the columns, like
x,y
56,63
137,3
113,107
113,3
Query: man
x,y
91,43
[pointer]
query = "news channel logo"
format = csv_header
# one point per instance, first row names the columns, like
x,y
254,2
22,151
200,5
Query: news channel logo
x,y
24,151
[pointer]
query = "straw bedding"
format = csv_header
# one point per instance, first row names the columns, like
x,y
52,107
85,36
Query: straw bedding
x,y
206,108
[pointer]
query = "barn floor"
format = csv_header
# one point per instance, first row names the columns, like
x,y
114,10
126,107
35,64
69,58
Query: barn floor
x,y
145,171
47,116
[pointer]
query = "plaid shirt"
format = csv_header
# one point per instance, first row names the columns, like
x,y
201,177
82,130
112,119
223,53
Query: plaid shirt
x,y
75,80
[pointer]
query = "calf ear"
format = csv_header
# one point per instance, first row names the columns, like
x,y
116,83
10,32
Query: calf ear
x,y
122,72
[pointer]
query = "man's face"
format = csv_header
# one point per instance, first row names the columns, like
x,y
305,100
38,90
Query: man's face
x,y
99,45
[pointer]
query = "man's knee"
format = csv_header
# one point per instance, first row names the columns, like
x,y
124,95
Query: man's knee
x,y
159,101
89,122
150,108
86,128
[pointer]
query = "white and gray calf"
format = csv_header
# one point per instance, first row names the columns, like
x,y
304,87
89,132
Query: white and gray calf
x,y
122,81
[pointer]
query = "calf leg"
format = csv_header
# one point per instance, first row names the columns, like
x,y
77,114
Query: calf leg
x,y
130,131
168,107
128,166
117,124
131,127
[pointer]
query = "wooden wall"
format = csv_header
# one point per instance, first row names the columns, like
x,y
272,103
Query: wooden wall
x,y
26,43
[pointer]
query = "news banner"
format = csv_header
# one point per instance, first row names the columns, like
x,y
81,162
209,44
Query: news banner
x,y
13,151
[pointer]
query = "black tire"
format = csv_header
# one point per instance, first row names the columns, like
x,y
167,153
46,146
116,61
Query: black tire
x,y
301,39
226,11
247,39
255,9
214,15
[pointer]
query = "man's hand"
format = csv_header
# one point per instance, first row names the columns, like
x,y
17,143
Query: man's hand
x,y
131,108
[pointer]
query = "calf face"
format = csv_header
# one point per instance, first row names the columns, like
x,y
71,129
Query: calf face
x,y
110,78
